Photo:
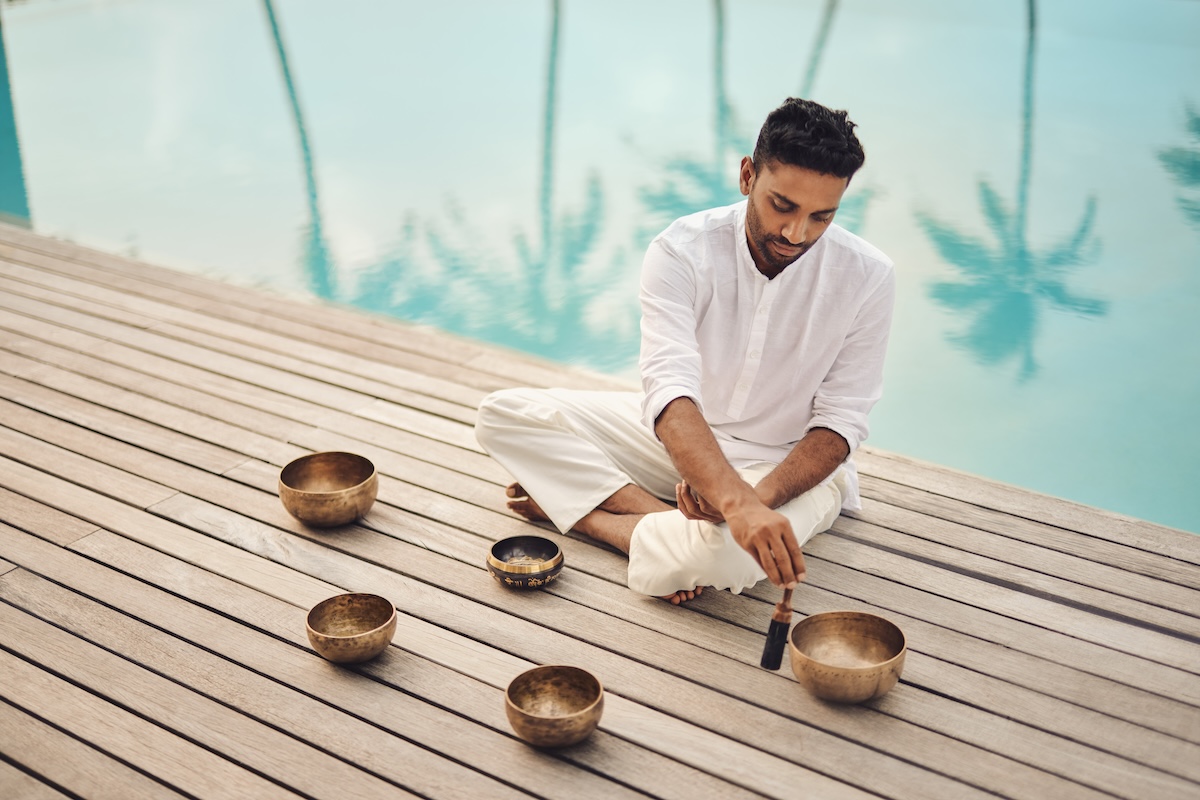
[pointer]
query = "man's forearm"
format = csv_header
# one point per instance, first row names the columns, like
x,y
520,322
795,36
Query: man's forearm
x,y
812,460
694,450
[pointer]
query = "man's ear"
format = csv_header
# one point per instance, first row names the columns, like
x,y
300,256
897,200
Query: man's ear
x,y
746,175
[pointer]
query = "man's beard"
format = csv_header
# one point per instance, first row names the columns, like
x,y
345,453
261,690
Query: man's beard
x,y
773,261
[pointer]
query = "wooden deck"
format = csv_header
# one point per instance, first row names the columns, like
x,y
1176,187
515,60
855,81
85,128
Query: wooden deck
x,y
153,590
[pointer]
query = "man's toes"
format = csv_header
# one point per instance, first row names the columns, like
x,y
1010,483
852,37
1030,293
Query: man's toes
x,y
515,490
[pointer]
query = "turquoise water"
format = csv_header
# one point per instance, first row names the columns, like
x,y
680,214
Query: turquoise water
x,y
496,169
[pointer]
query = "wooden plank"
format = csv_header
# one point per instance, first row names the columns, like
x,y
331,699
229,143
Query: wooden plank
x,y
144,372
127,486
152,530
118,425
150,409
1007,527
1095,522
184,352
1043,676
387,340
490,749
1115,634
362,332
126,736
261,409
406,386
21,512
18,784
124,427
64,761
986,624
264,749
5,566
1000,563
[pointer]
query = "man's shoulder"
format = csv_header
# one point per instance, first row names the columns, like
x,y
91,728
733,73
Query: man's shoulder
x,y
841,243
690,227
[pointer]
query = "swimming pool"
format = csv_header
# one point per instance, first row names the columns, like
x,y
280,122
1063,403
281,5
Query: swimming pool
x,y
496,169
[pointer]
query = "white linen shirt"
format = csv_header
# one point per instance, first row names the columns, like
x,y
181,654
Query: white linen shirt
x,y
764,360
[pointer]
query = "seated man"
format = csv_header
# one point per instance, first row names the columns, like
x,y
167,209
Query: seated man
x,y
764,328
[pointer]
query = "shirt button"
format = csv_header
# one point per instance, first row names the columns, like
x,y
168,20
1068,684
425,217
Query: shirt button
x,y
755,355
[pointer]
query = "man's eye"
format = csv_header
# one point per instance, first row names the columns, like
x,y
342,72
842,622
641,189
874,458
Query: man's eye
x,y
822,218
781,208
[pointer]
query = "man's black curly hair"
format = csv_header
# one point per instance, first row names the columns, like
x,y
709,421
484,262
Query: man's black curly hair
x,y
809,135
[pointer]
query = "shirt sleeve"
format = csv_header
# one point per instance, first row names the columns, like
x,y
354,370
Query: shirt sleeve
x,y
670,352
854,383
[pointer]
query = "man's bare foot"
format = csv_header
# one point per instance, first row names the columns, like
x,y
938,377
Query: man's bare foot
x,y
683,595
525,505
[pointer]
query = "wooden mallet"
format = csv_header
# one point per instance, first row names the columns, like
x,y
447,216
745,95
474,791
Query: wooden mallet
x,y
781,621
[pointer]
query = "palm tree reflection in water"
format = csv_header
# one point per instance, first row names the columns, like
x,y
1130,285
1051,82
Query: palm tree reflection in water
x,y
1001,287
318,268
546,302
1183,163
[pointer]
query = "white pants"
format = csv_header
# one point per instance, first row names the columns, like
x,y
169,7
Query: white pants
x,y
572,450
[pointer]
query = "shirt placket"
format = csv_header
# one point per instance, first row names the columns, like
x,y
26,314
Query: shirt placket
x,y
755,345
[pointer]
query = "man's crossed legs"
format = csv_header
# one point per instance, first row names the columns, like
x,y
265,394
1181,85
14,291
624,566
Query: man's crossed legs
x,y
585,461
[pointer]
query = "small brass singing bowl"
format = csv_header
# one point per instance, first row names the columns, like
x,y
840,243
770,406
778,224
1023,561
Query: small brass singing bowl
x,y
847,656
351,628
525,562
327,489
554,705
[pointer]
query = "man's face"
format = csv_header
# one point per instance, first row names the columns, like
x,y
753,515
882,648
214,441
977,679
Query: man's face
x,y
789,208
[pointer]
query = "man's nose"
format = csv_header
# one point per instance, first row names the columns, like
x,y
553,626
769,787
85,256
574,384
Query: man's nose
x,y
794,231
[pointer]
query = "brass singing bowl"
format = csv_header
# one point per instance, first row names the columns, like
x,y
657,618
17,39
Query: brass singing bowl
x,y
327,489
525,562
350,628
554,705
847,656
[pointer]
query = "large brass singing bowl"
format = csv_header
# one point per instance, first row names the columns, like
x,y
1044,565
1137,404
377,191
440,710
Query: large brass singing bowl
x,y
327,489
349,628
554,705
847,656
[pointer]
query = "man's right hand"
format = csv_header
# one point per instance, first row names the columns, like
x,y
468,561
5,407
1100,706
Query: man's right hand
x,y
763,533
767,536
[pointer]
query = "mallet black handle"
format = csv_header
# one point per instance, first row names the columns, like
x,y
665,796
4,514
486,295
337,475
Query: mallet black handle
x,y
781,621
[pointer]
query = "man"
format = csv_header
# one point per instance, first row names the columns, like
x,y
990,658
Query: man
x,y
764,328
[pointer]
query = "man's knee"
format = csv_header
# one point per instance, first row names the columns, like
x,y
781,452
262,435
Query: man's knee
x,y
506,411
493,411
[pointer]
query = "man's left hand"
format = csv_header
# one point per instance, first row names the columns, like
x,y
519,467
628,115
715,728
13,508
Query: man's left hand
x,y
694,506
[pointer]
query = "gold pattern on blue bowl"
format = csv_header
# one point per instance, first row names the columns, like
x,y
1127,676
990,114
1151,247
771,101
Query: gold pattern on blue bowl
x,y
525,562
